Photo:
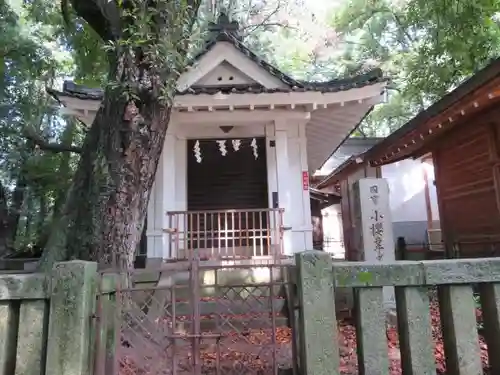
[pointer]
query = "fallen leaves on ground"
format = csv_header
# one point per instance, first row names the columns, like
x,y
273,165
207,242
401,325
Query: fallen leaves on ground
x,y
257,349
348,354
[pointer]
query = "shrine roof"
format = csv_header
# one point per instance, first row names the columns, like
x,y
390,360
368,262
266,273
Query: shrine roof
x,y
227,32
349,162
71,89
360,80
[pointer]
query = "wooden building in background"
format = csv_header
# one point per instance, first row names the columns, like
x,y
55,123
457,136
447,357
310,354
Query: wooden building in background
x,y
461,133
412,199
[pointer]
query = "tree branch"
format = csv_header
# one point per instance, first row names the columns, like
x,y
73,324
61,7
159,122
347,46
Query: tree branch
x,y
45,145
103,16
255,27
265,20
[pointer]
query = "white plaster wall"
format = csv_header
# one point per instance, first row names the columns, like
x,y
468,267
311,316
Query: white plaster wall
x,y
272,176
300,218
180,174
429,167
291,161
225,74
168,194
407,198
305,193
406,190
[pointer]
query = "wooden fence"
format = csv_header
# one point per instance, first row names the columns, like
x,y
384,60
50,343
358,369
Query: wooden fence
x,y
45,321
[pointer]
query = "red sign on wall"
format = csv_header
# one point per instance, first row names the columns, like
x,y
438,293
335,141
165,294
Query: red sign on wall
x,y
305,180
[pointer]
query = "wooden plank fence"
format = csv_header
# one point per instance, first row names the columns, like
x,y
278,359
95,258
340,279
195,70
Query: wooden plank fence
x,y
45,320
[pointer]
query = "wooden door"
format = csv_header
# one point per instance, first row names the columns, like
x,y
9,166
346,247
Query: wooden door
x,y
235,181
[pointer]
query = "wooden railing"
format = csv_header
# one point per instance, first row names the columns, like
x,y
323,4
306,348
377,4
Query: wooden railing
x,y
455,280
228,234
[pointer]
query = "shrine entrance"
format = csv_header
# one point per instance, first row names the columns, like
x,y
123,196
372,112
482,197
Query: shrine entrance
x,y
227,198
227,174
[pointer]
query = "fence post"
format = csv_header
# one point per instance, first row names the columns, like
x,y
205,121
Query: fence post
x,y
71,306
317,323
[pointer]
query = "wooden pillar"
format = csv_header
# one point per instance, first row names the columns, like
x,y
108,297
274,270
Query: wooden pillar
x,y
445,235
284,183
306,197
162,199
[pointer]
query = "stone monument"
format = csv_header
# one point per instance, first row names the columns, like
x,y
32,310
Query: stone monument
x,y
374,237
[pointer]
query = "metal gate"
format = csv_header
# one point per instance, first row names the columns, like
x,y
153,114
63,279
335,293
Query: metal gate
x,y
194,317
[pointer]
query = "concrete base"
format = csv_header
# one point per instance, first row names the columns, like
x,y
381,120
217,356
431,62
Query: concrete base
x,y
243,252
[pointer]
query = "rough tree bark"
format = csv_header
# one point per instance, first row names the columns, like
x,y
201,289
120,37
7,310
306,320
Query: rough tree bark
x,y
4,221
107,203
10,209
105,209
64,170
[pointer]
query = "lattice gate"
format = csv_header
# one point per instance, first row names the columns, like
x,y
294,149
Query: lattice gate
x,y
194,318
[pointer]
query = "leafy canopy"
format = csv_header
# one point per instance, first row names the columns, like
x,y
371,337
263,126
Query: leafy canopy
x,y
426,47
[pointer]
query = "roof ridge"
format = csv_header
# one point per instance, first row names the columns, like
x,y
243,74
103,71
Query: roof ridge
x,y
341,84
224,36
374,74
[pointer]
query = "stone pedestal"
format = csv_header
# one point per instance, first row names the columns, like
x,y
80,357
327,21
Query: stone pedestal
x,y
373,227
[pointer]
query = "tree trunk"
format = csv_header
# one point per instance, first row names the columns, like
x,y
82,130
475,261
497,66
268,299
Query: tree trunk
x,y
43,212
64,171
25,237
105,210
13,210
4,221
10,214
19,194
103,217
17,205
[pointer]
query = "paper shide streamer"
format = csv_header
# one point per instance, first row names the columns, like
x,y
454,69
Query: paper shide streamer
x,y
221,143
197,151
222,147
236,144
254,147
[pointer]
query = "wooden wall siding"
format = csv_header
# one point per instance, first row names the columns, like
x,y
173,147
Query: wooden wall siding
x,y
427,183
467,162
234,181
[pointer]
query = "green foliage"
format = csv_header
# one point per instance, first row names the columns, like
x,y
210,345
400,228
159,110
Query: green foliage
x,y
426,47
31,58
